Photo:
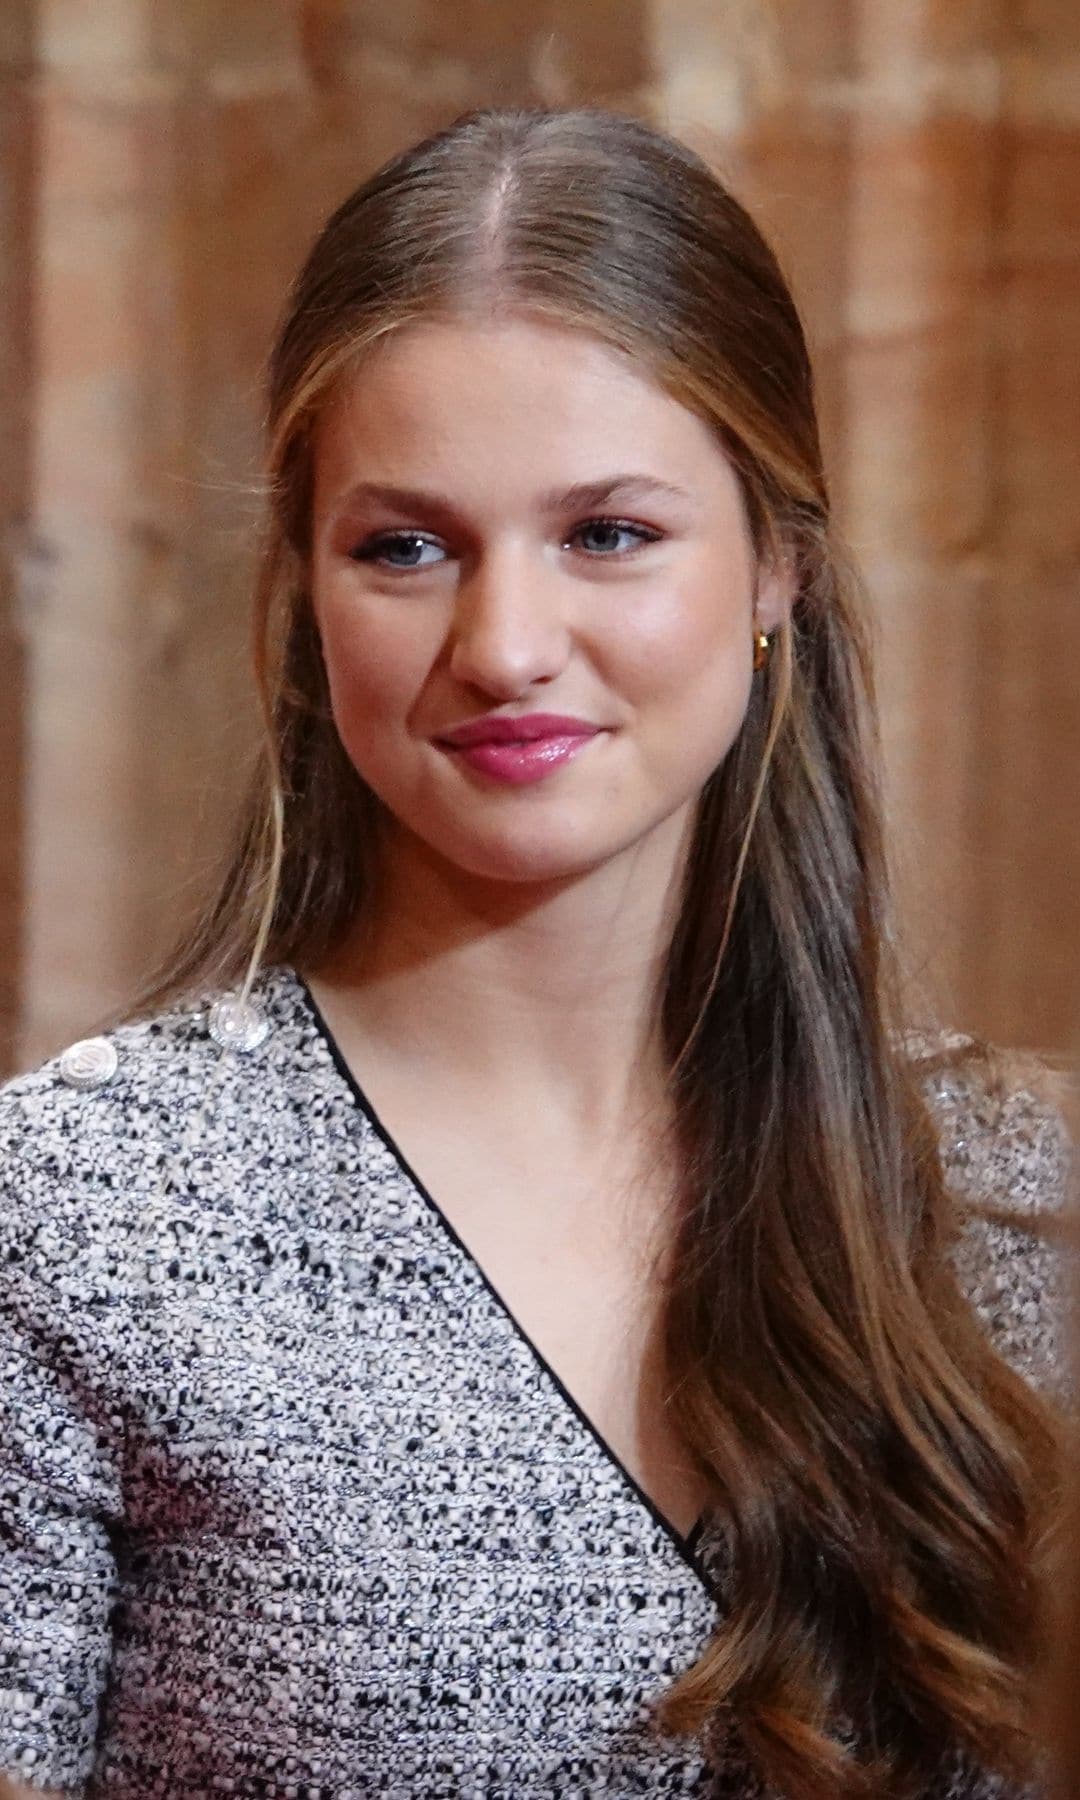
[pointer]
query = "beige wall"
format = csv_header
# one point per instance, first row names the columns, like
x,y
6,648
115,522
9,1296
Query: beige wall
x,y
162,170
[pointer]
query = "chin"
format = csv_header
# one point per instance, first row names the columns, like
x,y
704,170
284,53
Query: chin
x,y
530,861
526,871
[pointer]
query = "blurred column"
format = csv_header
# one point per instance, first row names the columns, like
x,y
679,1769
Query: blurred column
x,y
16,369
99,592
917,482
1025,968
137,686
762,90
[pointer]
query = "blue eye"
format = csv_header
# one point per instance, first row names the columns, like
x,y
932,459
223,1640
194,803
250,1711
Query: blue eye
x,y
377,549
610,528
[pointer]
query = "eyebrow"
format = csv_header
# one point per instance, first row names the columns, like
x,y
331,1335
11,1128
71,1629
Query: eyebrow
x,y
580,497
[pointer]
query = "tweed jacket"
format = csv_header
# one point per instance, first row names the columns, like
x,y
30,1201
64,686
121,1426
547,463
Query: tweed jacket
x,y
290,1505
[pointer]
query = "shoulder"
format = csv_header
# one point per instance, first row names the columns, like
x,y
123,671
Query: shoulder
x,y
88,1138
95,1083
103,1092
1007,1158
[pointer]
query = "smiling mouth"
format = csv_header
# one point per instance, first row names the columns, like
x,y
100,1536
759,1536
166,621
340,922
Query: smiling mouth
x,y
518,761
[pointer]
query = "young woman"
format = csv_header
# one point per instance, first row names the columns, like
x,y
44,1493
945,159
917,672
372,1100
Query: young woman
x,y
511,1316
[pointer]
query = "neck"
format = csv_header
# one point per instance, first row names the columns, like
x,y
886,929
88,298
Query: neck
x,y
532,990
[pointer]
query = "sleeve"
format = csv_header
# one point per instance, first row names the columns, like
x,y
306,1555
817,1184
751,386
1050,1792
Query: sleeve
x,y
59,1502
1008,1160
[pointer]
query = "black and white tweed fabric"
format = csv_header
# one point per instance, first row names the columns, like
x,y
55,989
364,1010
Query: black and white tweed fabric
x,y
289,1504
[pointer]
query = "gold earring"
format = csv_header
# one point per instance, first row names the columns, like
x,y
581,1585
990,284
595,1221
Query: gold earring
x,y
761,650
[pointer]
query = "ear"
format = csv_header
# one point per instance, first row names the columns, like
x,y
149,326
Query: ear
x,y
775,596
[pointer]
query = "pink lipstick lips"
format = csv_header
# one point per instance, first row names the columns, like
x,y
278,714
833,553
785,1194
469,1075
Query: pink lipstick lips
x,y
519,750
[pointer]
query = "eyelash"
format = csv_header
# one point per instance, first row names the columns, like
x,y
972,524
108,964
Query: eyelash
x,y
368,551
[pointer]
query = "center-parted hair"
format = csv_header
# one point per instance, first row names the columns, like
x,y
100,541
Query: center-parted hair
x,y
874,1464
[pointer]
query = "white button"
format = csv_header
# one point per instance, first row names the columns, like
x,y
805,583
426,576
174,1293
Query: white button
x,y
237,1024
89,1064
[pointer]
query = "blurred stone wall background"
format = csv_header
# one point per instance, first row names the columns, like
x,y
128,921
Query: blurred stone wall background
x,y
162,168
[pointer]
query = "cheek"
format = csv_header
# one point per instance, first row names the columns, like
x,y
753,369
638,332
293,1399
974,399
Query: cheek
x,y
376,667
688,645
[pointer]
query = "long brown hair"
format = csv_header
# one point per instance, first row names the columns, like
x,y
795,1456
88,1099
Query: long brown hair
x,y
874,1463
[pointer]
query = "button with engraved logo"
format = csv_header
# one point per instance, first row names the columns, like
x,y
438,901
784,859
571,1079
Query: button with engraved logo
x,y
90,1063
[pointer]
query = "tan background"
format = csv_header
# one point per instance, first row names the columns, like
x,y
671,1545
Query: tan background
x,y
163,164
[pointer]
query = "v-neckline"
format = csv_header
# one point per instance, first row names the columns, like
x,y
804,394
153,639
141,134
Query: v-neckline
x,y
688,1545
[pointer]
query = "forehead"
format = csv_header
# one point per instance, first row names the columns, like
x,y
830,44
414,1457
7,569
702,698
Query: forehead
x,y
518,400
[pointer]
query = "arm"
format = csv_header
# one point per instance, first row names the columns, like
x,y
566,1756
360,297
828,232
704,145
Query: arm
x,y
1008,1158
14,1790
59,1504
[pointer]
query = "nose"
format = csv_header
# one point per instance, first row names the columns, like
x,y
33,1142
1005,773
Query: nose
x,y
509,629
